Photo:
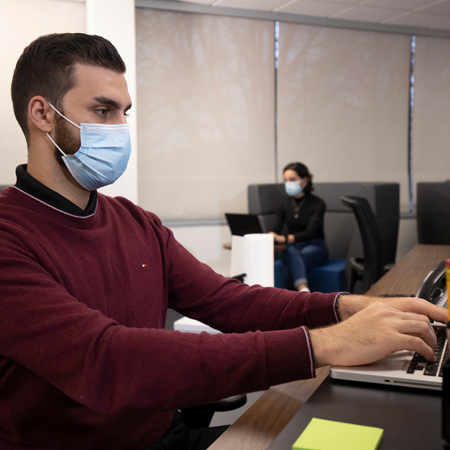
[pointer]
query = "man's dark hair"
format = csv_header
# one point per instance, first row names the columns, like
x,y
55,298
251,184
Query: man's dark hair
x,y
302,171
46,68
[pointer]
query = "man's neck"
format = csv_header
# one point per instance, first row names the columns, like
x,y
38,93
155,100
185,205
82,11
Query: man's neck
x,y
27,183
57,178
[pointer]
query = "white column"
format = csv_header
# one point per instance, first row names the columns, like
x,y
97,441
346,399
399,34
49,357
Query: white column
x,y
115,21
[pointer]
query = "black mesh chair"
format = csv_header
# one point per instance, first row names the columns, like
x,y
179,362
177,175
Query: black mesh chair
x,y
369,268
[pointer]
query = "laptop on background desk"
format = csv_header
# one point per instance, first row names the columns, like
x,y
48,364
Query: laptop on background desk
x,y
241,224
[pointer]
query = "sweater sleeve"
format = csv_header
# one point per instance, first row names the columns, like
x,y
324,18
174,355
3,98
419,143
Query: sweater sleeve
x,y
111,366
196,291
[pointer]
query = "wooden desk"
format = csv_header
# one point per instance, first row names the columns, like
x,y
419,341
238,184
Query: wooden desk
x,y
407,275
276,247
266,418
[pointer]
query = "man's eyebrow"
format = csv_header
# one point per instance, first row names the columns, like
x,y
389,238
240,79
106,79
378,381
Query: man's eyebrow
x,y
110,102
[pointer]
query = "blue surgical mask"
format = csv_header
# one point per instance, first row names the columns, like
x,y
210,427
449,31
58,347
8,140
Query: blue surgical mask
x,y
103,155
293,188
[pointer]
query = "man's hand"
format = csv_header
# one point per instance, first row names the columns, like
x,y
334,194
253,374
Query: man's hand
x,y
351,304
378,330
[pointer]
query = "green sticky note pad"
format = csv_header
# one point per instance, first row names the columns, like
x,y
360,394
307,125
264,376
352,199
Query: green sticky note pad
x,y
330,435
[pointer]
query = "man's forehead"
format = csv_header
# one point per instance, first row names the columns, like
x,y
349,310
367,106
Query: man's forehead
x,y
85,73
100,83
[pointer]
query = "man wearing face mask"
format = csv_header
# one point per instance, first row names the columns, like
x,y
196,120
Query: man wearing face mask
x,y
302,214
86,280
102,156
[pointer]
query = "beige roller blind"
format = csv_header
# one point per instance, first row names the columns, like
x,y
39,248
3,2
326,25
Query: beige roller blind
x,y
343,103
205,94
431,113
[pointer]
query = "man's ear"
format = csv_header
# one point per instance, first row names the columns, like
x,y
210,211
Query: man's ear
x,y
41,114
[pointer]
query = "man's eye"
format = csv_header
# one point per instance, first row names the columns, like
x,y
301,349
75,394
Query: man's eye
x,y
102,111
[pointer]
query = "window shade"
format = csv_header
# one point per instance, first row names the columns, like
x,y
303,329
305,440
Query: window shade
x,y
205,93
431,113
343,103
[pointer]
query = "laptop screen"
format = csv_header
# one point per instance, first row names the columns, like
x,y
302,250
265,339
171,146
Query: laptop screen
x,y
241,224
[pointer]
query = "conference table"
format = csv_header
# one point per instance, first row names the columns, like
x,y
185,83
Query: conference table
x,y
262,425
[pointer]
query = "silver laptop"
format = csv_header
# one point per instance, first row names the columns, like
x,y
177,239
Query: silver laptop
x,y
407,368
403,368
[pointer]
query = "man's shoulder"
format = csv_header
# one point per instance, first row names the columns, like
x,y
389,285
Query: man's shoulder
x,y
123,204
10,195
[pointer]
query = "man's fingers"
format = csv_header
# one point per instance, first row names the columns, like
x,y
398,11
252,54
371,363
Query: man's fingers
x,y
420,306
351,304
416,344
418,334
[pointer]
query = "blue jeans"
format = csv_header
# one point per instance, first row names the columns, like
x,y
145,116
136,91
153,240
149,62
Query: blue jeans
x,y
299,258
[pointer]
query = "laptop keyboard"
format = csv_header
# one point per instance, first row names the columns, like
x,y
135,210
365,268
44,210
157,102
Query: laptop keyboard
x,y
420,364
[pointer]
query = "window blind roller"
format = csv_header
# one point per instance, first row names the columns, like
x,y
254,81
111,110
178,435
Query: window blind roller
x,y
431,113
205,93
343,103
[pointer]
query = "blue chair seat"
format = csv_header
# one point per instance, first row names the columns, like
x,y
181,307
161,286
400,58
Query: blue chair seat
x,y
327,278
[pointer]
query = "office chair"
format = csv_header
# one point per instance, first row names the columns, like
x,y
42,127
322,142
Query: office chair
x,y
201,416
433,212
368,269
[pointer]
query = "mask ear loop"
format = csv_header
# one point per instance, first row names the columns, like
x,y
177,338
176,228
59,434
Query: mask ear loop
x,y
63,116
68,120
55,144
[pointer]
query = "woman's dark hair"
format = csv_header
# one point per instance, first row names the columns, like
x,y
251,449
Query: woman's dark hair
x,y
302,171
46,68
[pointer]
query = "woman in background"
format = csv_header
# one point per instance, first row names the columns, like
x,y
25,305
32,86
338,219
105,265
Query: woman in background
x,y
303,215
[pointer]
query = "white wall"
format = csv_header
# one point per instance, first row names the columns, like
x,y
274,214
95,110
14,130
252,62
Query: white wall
x,y
115,20
22,21
206,244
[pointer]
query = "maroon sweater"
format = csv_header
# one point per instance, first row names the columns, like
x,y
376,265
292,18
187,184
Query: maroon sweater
x,y
85,362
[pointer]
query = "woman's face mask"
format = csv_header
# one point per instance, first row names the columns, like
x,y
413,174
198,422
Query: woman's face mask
x,y
293,188
103,155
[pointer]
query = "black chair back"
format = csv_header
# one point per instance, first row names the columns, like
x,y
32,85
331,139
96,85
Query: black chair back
x,y
369,268
433,212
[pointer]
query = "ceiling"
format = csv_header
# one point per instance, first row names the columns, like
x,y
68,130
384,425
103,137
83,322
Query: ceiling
x,y
428,14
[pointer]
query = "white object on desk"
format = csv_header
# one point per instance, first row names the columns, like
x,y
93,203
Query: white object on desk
x,y
252,254
192,326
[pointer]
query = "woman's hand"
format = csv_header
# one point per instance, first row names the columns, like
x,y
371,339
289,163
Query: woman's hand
x,y
278,238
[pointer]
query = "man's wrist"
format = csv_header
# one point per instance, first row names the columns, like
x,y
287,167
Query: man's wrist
x,y
351,304
337,305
